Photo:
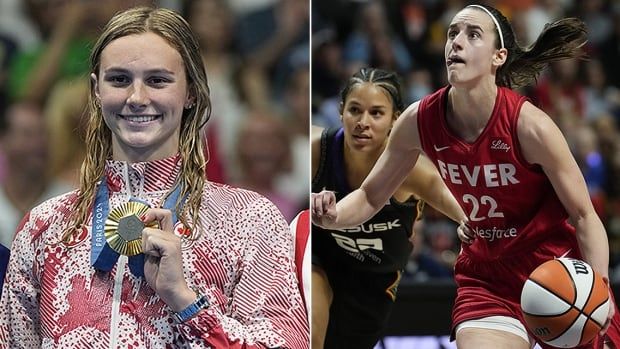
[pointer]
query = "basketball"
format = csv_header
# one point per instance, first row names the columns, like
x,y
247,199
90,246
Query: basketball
x,y
564,302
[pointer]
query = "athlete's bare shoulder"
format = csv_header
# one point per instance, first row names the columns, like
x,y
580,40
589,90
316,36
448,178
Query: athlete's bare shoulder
x,y
411,112
533,123
538,134
404,134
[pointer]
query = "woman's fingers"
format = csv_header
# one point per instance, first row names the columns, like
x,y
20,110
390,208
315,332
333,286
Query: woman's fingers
x,y
323,207
158,242
160,215
323,202
465,233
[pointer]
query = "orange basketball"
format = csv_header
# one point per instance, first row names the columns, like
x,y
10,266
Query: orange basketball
x,y
565,303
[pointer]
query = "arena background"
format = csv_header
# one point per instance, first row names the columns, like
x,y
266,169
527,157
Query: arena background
x,y
408,36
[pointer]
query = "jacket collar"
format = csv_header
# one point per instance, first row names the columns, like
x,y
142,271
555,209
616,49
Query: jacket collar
x,y
139,177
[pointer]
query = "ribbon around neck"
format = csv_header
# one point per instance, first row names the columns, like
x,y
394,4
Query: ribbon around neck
x,y
102,256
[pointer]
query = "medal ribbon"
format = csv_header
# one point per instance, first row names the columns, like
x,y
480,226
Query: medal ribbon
x,y
102,256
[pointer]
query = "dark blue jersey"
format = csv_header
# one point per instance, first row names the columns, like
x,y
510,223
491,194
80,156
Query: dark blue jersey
x,y
4,261
382,243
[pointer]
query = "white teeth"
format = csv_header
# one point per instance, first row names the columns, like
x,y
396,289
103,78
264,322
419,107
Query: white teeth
x,y
139,118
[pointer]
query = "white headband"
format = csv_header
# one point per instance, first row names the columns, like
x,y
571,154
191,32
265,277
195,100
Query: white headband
x,y
499,30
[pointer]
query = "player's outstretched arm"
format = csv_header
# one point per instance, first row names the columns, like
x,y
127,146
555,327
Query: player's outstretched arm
x,y
386,176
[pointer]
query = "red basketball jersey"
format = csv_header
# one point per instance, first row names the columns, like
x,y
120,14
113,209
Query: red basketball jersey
x,y
510,203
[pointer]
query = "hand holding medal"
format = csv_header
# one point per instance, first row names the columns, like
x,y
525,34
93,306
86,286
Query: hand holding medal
x,y
163,266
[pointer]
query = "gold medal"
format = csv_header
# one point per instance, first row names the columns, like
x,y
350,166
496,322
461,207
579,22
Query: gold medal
x,y
123,228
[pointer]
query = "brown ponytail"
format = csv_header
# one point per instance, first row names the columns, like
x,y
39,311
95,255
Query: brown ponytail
x,y
559,40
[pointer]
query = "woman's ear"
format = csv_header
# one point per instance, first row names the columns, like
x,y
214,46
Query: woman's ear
x,y
500,57
190,103
93,78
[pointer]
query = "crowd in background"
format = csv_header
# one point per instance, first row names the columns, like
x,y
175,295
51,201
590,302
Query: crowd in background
x,y
408,36
257,59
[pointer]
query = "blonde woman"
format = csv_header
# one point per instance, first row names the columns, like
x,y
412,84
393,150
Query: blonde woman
x,y
147,253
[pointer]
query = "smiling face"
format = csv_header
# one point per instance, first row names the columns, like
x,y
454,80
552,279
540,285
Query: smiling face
x,y
367,117
470,51
143,88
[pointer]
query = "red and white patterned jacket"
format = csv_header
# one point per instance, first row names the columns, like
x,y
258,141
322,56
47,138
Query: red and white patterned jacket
x,y
243,262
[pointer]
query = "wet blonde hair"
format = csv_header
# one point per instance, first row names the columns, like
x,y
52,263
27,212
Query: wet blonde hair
x,y
176,31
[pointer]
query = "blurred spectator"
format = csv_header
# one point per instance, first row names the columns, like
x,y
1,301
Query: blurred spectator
x,y
264,153
372,43
297,122
255,87
328,71
416,26
610,53
241,7
561,93
213,24
327,113
595,14
433,256
7,51
253,56
327,76
590,161
437,39
64,114
16,26
68,28
270,38
25,144
600,97
609,144
533,16
419,84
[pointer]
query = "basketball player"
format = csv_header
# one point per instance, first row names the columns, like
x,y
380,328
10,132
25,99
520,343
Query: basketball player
x,y
213,267
355,272
506,163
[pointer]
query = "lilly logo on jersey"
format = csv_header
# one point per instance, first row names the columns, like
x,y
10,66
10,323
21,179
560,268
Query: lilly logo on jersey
x,y
373,227
494,233
498,144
